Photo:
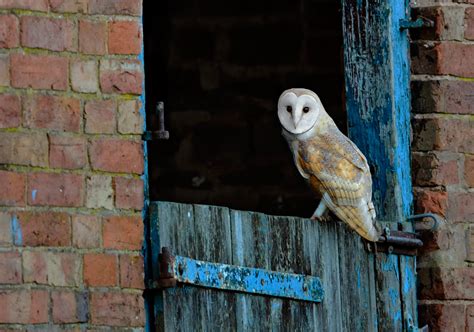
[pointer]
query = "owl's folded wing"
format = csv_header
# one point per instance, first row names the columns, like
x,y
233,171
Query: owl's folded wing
x,y
344,180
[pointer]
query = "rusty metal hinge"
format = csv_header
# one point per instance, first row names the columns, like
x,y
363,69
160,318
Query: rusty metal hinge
x,y
176,270
161,133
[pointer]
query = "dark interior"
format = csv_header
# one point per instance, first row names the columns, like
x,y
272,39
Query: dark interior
x,y
219,67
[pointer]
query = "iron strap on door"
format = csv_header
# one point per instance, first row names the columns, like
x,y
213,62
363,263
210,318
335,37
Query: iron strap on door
x,y
184,270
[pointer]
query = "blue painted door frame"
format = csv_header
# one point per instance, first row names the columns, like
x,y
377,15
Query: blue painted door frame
x,y
377,90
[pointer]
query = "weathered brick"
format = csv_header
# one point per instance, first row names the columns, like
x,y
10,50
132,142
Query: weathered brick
x,y
67,152
30,149
469,170
69,6
24,306
450,284
470,311
123,232
115,7
99,192
100,116
437,58
35,269
6,239
130,121
117,309
115,155
430,201
10,268
128,193
84,76
52,112
86,231
125,37
132,271
442,317
469,24
48,33
100,270
4,70
469,243
92,37
10,111
69,306
444,96
9,31
121,76
461,207
39,71
51,189
446,23
443,134
38,5
52,268
13,188
48,229
434,169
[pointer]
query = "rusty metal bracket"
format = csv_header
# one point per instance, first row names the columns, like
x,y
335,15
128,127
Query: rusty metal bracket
x,y
161,133
396,242
176,270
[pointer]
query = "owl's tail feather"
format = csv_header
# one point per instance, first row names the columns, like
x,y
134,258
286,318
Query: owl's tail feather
x,y
360,218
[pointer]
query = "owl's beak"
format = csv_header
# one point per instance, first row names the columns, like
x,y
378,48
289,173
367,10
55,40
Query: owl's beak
x,y
296,119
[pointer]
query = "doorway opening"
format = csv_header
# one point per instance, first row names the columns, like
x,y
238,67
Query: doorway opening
x,y
219,67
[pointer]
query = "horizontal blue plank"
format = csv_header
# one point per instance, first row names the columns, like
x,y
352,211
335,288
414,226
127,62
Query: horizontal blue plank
x,y
247,280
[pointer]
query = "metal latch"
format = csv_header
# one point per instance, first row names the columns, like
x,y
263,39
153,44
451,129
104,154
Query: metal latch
x,y
161,133
176,270
396,242
420,22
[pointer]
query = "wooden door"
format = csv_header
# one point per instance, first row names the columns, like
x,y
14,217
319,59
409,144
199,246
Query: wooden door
x,y
329,251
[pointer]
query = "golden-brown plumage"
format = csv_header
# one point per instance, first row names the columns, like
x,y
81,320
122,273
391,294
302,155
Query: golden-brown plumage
x,y
336,171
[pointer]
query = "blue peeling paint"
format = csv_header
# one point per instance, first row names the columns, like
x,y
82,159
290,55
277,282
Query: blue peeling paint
x,y
33,194
248,280
409,279
15,229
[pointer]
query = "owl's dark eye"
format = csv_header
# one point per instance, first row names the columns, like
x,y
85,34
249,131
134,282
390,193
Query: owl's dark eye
x,y
306,109
289,109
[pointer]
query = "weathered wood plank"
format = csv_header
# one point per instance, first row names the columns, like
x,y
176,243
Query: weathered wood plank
x,y
212,242
356,266
408,285
387,277
176,231
251,247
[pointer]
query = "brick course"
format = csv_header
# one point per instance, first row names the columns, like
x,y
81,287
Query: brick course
x,y
70,247
442,162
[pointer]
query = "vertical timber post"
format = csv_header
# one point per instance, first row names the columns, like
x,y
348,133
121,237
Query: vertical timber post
x,y
377,78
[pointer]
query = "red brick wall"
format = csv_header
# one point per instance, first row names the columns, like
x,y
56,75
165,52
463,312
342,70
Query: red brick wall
x,y
443,161
71,158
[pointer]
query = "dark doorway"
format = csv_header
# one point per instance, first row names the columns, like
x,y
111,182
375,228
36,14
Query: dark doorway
x,y
219,67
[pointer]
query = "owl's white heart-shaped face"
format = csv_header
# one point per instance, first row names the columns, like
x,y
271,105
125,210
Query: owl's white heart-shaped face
x,y
298,110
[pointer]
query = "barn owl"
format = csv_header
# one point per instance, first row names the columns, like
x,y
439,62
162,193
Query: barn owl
x,y
330,162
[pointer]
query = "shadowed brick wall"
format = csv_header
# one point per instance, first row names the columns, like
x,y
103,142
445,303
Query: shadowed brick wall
x,y
443,160
70,164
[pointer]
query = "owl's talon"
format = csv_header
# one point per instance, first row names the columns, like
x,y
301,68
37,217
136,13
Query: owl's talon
x,y
320,219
